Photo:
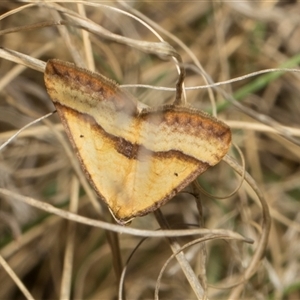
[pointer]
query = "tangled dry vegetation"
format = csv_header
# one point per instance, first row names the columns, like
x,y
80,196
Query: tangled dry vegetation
x,y
230,250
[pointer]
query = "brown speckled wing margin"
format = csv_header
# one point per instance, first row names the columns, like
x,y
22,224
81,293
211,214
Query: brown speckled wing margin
x,y
136,160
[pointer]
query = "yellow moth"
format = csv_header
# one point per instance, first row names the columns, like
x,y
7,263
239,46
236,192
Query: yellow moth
x,y
136,158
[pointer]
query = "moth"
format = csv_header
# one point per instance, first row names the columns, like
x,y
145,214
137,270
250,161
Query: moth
x,y
136,158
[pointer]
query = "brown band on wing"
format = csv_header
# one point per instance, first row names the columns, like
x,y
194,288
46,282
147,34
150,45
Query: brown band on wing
x,y
189,119
124,147
85,82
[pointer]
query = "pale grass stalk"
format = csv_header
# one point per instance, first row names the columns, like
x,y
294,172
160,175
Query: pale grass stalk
x,y
65,34
180,43
16,10
15,278
83,273
261,127
266,225
187,245
88,49
108,226
40,131
17,70
183,262
66,281
22,129
28,237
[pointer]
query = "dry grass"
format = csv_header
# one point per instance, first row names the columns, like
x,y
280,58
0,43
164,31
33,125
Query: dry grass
x,y
51,253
